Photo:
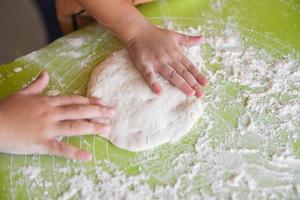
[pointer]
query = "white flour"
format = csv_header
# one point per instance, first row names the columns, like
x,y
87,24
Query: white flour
x,y
76,42
254,159
17,69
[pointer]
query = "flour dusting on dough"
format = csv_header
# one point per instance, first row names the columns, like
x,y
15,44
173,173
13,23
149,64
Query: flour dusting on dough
x,y
144,120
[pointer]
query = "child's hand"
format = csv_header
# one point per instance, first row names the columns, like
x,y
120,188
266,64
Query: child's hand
x,y
158,50
152,49
30,123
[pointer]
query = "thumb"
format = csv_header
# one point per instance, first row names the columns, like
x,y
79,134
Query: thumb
x,y
187,40
38,85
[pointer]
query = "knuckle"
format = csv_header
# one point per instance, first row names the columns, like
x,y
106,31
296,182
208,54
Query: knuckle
x,y
158,57
195,86
133,44
143,65
148,75
161,58
78,108
44,100
172,74
42,130
73,126
103,110
72,98
184,71
47,114
97,127
77,98
190,66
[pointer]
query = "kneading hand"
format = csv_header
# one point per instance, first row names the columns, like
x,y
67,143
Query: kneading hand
x,y
158,50
153,50
30,122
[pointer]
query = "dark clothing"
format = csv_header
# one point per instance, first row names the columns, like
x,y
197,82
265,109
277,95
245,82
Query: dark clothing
x,y
48,12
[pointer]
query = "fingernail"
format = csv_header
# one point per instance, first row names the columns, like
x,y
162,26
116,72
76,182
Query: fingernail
x,y
83,155
42,74
205,82
156,88
105,121
96,101
111,111
198,94
188,90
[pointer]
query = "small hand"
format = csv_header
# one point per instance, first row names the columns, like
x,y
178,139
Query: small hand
x,y
158,50
30,122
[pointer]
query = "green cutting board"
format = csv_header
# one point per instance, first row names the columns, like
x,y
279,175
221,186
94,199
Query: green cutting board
x,y
272,25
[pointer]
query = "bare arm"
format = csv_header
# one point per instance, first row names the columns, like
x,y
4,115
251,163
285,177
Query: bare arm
x,y
119,16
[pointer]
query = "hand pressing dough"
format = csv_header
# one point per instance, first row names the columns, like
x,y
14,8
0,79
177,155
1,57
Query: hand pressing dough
x,y
143,119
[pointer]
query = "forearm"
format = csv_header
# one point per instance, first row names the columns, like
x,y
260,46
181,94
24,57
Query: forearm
x,y
119,16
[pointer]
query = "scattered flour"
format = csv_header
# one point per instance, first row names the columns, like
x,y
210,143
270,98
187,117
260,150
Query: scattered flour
x,y
72,54
17,69
53,92
76,42
254,159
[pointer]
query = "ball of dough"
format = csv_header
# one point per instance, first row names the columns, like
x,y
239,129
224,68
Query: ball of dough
x,y
143,119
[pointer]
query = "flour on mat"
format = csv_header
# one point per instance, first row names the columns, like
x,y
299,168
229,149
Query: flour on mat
x,y
17,69
72,54
53,92
76,42
254,159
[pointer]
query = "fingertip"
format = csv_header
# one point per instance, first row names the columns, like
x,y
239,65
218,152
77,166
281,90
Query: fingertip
x,y
199,94
188,90
197,37
188,40
157,89
84,155
111,112
202,80
101,121
43,75
201,37
195,40
198,91
96,101
104,129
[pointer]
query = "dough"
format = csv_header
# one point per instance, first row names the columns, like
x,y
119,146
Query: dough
x,y
144,119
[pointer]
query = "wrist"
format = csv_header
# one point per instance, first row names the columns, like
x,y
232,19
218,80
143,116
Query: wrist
x,y
133,28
